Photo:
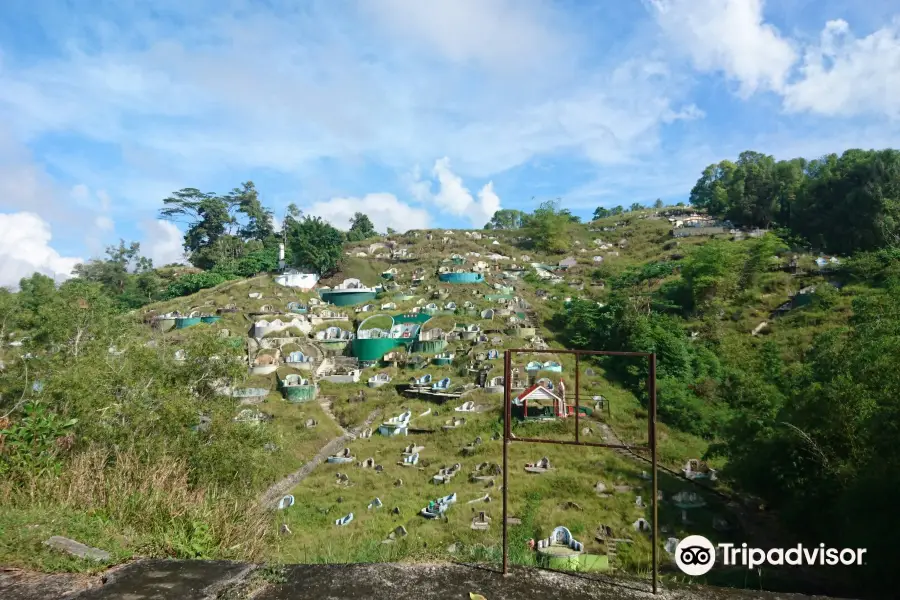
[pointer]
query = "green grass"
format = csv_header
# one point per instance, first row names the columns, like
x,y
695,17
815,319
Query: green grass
x,y
535,499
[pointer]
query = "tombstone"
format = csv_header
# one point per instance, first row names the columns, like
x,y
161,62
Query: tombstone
x,y
481,521
639,502
589,372
671,545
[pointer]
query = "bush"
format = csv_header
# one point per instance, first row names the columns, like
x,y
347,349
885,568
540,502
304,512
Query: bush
x,y
194,282
154,500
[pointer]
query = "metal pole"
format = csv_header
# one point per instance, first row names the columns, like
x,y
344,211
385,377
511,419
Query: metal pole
x,y
507,384
577,401
651,389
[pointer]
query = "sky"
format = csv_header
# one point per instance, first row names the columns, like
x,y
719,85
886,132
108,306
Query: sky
x,y
420,113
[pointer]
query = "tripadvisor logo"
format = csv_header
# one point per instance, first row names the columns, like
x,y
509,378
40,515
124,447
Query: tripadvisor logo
x,y
695,555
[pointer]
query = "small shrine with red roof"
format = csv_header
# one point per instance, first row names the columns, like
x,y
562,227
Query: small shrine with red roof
x,y
544,401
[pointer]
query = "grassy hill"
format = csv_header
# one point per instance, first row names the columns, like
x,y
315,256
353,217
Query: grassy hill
x,y
241,461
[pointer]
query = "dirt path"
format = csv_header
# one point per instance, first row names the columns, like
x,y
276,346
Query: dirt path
x,y
272,495
326,402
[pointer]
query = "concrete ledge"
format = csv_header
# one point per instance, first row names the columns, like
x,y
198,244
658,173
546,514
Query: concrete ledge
x,y
216,580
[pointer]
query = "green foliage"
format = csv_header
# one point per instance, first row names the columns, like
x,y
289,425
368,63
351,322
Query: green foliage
x,y
124,274
220,228
207,216
194,282
841,204
35,443
315,245
601,212
253,263
681,364
258,225
548,228
506,219
711,272
361,228
190,540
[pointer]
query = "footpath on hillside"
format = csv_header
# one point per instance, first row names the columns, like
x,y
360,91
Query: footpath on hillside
x,y
280,488
222,580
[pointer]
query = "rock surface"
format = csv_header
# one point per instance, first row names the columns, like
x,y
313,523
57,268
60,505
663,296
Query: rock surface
x,y
207,580
77,548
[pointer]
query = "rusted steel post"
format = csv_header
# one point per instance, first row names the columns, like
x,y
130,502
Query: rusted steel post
x,y
507,413
577,401
651,389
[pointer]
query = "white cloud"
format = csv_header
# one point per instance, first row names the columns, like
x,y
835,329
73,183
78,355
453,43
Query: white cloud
x,y
283,90
104,223
844,75
453,196
384,210
728,36
25,249
163,242
498,34
103,197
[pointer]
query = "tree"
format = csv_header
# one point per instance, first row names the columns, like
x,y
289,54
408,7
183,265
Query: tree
x,y
114,272
506,218
712,271
208,218
548,227
34,292
568,214
636,206
294,212
601,213
314,245
258,224
616,210
658,204
840,203
361,228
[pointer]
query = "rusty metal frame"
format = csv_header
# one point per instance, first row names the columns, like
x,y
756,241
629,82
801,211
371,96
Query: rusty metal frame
x,y
508,438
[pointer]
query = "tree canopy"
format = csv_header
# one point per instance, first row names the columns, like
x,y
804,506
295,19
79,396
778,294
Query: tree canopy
x,y
839,203
361,228
220,227
548,227
506,218
314,244
601,213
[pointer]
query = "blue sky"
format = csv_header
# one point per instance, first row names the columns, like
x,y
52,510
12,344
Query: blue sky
x,y
419,113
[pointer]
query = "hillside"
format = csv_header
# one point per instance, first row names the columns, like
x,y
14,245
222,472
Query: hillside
x,y
192,472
